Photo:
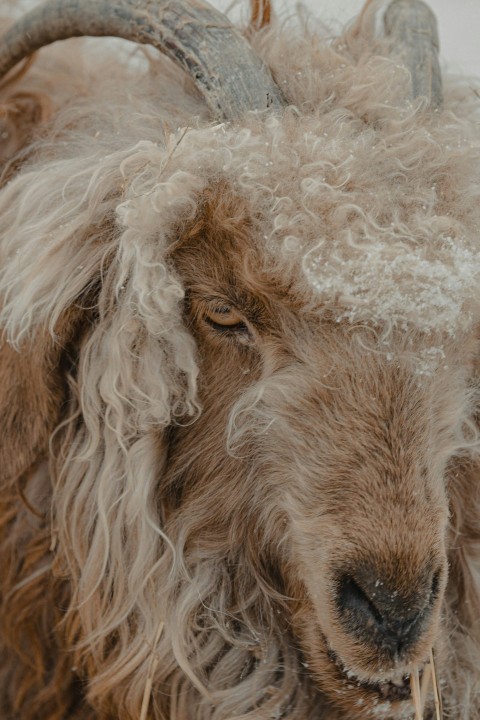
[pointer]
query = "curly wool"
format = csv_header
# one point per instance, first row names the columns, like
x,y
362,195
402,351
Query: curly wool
x,y
352,193
396,191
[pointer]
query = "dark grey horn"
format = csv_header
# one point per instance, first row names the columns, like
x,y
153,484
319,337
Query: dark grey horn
x,y
229,75
411,27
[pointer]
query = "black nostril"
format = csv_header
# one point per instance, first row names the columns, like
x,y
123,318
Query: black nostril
x,y
374,613
352,598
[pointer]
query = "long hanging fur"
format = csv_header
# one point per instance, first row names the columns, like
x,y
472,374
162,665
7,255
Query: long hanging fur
x,y
356,206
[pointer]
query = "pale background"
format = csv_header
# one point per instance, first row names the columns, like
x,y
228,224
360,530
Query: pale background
x,y
458,20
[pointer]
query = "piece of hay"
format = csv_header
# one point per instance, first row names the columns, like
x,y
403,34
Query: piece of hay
x,y
425,683
420,690
436,687
416,694
151,673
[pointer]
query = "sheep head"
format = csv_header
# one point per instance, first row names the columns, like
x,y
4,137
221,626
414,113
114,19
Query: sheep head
x,y
345,435
260,388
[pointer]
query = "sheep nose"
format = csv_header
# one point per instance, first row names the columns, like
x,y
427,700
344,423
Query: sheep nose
x,y
376,614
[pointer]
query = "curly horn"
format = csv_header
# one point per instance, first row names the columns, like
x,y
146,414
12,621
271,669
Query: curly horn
x,y
229,75
411,27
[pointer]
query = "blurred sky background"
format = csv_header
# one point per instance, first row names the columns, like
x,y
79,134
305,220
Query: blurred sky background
x,y
458,20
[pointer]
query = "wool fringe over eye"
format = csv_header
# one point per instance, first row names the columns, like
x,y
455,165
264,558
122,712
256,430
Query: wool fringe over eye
x,y
91,206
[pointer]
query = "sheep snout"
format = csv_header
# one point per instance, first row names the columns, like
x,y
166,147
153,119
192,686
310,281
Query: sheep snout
x,y
380,615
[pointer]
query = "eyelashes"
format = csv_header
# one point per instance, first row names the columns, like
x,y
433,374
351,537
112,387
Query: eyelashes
x,y
226,320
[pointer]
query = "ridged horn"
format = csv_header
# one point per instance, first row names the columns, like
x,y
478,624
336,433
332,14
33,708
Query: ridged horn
x,y
229,75
411,27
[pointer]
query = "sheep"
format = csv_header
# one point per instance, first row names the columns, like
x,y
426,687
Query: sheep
x,y
238,367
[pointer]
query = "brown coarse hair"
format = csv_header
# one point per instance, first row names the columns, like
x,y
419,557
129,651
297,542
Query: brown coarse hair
x,y
238,389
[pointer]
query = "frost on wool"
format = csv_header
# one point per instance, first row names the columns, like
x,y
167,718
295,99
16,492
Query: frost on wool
x,y
339,215
364,206
367,205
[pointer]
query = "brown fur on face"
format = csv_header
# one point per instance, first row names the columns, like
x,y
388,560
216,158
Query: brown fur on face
x,y
351,459
344,451
185,505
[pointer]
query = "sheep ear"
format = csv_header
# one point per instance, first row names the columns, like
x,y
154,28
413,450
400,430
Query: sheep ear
x,y
20,114
33,388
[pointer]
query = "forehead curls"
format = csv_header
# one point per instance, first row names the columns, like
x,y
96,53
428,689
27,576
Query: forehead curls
x,y
333,208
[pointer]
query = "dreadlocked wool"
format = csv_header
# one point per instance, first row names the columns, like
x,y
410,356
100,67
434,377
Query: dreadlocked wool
x,y
363,208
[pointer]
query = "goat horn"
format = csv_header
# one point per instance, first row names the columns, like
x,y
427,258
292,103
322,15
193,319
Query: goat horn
x,y
229,75
412,28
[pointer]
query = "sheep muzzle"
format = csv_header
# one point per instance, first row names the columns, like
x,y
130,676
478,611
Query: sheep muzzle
x,y
368,518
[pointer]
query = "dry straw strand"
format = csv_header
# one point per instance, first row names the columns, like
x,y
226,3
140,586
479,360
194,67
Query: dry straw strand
x,y
151,672
436,688
416,695
426,682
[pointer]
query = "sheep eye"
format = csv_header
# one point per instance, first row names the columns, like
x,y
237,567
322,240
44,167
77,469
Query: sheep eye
x,y
226,319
